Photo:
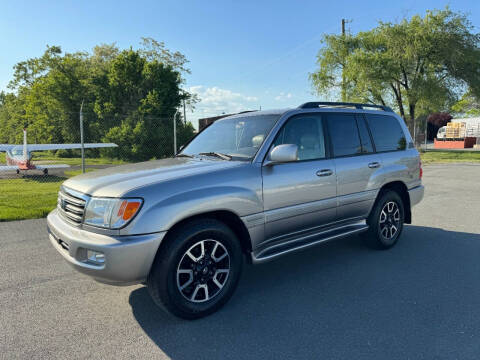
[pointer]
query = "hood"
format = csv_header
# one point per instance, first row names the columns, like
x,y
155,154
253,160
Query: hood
x,y
117,180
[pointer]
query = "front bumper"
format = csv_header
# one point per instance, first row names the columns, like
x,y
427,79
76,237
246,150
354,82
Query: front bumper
x,y
128,259
416,194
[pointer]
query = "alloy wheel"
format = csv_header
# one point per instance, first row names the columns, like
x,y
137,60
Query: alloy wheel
x,y
203,270
389,220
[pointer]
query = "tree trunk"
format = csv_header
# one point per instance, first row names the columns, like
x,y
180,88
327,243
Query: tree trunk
x,y
398,98
411,109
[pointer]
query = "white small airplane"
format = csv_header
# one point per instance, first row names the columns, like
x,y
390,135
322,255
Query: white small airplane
x,y
19,157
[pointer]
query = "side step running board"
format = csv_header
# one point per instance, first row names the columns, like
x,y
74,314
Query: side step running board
x,y
306,241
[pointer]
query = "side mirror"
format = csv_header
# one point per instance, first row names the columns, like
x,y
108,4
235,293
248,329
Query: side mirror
x,y
282,154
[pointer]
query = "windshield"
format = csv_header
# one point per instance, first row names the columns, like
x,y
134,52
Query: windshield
x,y
238,137
17,151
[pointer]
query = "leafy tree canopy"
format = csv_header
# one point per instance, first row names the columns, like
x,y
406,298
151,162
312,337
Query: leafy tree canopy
x,y
129,96
417,66
467,106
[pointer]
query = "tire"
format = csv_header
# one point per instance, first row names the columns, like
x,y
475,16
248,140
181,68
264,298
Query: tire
x,y
177,282
385,226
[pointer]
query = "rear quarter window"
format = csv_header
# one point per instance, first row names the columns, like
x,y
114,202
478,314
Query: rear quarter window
x,y
387,133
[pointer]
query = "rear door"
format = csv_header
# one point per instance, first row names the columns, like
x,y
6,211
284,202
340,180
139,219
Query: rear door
x,y
358,166
300,195
399,161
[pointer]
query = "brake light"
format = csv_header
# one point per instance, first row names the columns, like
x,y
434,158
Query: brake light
x,y
421,170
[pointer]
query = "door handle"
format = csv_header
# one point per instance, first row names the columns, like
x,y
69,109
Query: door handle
x,y
324,172
374,165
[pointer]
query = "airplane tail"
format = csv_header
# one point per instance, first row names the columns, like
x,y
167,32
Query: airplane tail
x,y
25,152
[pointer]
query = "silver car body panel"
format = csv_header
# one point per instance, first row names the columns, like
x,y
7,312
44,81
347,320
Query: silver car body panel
x,y
128,259
294,197
284,207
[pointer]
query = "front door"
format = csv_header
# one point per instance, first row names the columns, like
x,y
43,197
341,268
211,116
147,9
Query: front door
x,y
302,194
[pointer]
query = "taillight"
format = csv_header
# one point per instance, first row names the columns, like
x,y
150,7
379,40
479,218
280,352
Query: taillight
x,y
421,170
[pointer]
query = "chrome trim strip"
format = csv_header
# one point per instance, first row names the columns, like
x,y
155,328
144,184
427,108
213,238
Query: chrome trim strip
x,y
71,205
74,209
75,201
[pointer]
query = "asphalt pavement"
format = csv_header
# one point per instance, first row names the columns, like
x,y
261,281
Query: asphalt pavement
x,y
340,300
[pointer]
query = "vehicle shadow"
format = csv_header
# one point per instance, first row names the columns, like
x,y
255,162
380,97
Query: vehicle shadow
x,y
340,300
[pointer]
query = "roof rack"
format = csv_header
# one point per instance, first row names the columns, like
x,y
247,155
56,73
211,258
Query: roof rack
x,y
319,104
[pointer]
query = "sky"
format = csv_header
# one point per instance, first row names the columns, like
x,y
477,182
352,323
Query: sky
x,y
243,55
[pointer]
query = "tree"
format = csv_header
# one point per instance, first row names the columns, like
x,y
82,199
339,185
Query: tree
x,y
468,105
129,96
416,66
139,105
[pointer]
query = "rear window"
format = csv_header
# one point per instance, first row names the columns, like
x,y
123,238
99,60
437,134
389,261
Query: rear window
x,y
387,132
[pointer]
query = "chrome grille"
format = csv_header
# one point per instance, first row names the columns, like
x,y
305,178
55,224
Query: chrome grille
x,y
71,205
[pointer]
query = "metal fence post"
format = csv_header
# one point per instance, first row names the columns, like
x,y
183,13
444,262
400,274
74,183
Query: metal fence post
x,y
426,132
81,138
175,133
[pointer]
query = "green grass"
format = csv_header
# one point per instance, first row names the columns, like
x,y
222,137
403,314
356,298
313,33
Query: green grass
x,y
35,196
31,197
28,198
430,157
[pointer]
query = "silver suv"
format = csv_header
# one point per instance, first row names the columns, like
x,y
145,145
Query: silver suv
x,y
254,186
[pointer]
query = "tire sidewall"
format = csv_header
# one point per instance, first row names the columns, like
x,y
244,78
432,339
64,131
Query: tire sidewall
x,y
374,221
227,238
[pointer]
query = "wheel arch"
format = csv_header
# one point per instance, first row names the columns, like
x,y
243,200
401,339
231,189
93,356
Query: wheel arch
x,y
229,218
401,189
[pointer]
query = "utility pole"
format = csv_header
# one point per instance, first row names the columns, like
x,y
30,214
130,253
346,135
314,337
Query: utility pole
x,y
344,95
344,88
81,138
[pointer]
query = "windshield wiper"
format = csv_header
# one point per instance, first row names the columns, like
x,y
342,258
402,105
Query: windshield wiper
x,y
184,155
217,154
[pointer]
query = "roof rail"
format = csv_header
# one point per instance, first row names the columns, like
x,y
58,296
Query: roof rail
x,y
318,104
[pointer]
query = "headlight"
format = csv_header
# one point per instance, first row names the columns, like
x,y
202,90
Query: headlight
x,y
111,213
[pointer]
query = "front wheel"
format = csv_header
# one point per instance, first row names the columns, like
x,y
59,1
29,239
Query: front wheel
x,y
385,221
197,270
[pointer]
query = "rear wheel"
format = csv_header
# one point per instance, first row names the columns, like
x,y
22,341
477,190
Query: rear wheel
x,y
45,171
385,221
197,269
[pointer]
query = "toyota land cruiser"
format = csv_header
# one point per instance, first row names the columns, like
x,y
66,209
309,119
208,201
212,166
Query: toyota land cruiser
x,y
255,186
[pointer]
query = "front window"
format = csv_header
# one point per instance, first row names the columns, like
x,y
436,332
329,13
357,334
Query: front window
x,y
238,138
17,151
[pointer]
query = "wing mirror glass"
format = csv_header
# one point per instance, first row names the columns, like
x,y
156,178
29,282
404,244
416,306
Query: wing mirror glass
x,y
282,154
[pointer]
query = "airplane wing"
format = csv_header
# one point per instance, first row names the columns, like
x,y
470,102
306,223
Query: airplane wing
x,y
5,147
42,147
8,168
53,166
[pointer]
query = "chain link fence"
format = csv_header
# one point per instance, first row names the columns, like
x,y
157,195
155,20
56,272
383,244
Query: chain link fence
x,y
29,184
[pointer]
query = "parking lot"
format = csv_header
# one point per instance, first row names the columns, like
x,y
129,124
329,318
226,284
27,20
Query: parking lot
x,y
340,300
